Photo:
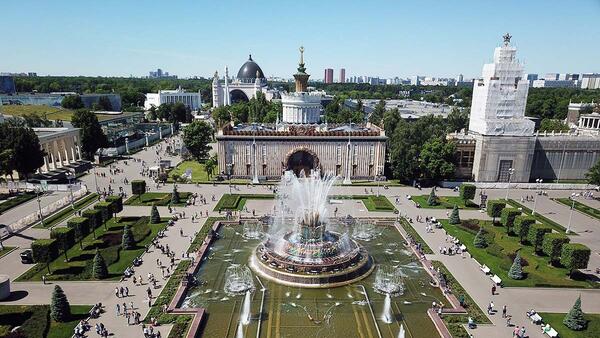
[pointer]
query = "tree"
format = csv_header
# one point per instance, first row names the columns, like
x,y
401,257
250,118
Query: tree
x,y
44,251
521,226
99,269
221,115
536,234
552,246
65,238
197,137
154,215
91,134
467,192
60,310
27,153
72,102
507,218
575,319
437,159
138,187
593,175
553,125
432,200
116,204
377,115
574,256
480,241
94,217
175,196
105,211
81,226
516,269
494,209
128,241
209,166
457,120
454,216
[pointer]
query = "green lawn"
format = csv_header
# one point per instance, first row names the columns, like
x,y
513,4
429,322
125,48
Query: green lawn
x,y
540,218
498,256
415,235
198,171
555,320
584,208
67,211
108,242
52,113
35,321
6,250
238,201
16,201
157,198
371,202
445,202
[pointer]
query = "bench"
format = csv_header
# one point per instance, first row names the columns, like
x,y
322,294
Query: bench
x,y
551,333
485,269
496,280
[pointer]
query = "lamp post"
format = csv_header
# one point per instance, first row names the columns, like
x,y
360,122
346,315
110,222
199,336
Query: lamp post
x,y
70,177
539,182
377,177
40,206
95,179
511,171
572,198
229,165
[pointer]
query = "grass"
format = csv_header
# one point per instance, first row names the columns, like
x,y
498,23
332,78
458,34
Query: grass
x,y
445,202
556,321
584,208
16,201
540,218
67,211
371,202
455,322
199,174
499,254
157,198
52,113
415,235
199,239
238,201
35,321
6,250
108,242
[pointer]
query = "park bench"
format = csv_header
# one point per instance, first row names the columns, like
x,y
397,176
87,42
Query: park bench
x,y
551,333
496,280
485,269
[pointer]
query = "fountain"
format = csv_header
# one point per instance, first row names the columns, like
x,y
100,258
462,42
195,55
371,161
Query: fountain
x,y
301,250
401,333
238,280
386,315
364,231
388,281
252,230
245,317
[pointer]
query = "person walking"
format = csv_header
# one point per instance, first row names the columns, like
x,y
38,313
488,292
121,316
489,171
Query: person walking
x,y
504,311
118,309
493,289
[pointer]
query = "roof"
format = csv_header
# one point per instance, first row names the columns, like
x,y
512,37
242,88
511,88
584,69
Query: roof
x,y
250,70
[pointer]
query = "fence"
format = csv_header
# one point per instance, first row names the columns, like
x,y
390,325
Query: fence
x,y
20,185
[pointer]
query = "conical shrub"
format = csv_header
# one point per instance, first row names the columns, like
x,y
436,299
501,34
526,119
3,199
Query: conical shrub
x,y
60,310
516,269
575,320
128,242
480,241
99,268
154,215
454,216
432,200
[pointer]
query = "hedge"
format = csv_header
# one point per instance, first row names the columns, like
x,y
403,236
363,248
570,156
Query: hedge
x,y
536,234
507,217
65,239
105,209
494,208
552,246
574,256
81,225
94,216
522,225
138,187
44,251
467,192
116,203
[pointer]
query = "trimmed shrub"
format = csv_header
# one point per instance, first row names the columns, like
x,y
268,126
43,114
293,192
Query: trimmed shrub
x,y
494,209
44,251
516,270
81,225
454,216
60,310
138,187
575,320
99,269
94,216
522,225
116,203
154,215
507,218
480,241
574,256
65,239
552,246
175,196
104,208
535,236
128,241
467,192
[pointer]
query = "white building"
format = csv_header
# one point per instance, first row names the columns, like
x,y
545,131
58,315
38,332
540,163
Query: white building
x,y
499,97
249,81
191,100
590,81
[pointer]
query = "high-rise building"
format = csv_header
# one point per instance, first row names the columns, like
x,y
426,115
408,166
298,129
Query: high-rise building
x,y
342,75
328,75
590,81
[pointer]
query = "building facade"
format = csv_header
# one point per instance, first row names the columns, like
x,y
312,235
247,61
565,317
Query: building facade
x,y
62,147
190,100
342,75
328,76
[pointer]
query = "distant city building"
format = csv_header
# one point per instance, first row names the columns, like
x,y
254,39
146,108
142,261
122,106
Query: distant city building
x,y
590,81
543,83
459,78
342,75
328,77
551,76
160,74
432,81
415,80
190,100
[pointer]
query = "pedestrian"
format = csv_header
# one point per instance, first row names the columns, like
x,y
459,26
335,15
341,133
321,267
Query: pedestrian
x,y
516,331
44,279
118,309
131,304
126,292
504,311
493,289
117,292
522,331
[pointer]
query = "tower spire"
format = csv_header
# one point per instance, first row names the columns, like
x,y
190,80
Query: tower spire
x,y
301,77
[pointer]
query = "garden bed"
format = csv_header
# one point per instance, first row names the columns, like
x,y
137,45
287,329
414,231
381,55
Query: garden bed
x,y
67,211
238,201
371,202
444,202
581,207
415,235
35,321
540,218
157,198
16,201
556,321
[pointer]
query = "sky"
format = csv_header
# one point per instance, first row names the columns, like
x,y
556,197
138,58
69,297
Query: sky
x,y
374,38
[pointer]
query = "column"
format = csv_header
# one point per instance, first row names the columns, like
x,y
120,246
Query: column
x,y
78,152
73,154
53,160
160,131
64,144
60,161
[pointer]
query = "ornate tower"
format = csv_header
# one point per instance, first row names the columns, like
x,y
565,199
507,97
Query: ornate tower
x,y
217,91
301,77
226,95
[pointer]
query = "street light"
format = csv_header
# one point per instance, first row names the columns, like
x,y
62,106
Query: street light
x,y
95,178
377,177
37,190
70,177
229,165
511,171
539,182
572,198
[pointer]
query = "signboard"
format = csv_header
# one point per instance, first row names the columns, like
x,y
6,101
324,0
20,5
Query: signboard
x,y
44,185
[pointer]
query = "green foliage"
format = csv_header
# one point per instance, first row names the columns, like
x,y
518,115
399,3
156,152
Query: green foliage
x,y
457,120
593,175
480,241
60,310
575,320
574,256
116,203
94,217
522,225
128,241
65,239
210,165
138,187
516,269
432,199
467,191
376,116
553,125
154,215
99,268
552,245
507,217
437,159
454,216
536,234
553,102
72,102
197,137
44,251
494,208
175,196
91,134
20,150
81,225
105,211
337,112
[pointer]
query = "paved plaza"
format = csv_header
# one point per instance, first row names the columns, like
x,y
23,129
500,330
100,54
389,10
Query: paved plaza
x,y
465,270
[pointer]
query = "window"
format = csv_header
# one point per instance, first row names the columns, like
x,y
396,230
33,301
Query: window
x,y
248,154
264,154
338,154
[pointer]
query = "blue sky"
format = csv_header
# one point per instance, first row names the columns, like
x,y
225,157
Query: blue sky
x,y
378,38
